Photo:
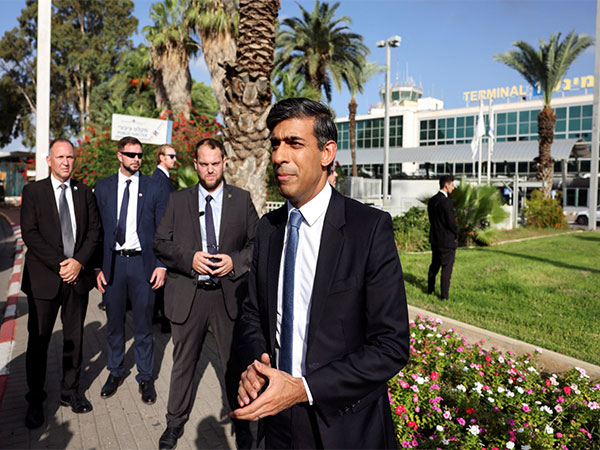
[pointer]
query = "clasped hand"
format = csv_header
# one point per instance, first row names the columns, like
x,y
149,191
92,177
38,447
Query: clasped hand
x,y
283,391
217,265
69,270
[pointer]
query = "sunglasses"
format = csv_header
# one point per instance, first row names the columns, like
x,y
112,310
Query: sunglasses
x,y
132,154
172,156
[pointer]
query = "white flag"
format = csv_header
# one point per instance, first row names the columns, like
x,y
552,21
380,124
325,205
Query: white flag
x,y
480,132
492,131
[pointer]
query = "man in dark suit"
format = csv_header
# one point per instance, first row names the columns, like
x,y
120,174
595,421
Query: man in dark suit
x,y
443,235
166,159
326,320
61,228
205,239
131,206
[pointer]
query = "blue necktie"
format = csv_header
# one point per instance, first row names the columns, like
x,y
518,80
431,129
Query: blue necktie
x,y
287,320
211,237
122,223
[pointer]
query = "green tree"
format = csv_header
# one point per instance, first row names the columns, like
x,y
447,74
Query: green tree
x,y
321,48
88,40
544,68
172,43
294,85
248,98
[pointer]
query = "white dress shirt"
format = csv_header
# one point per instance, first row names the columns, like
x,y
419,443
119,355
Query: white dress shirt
x,y
309,241
445,193
132,241
69,196
216,205
165,171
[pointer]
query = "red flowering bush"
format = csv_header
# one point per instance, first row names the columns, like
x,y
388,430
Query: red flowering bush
x,y
96,153
455,396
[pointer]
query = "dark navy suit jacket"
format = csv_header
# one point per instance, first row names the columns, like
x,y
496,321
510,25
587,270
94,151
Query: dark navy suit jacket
x,y
151,204
163,180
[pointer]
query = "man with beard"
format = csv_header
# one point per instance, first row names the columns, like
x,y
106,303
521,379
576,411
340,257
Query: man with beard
x,y
205,239
131,206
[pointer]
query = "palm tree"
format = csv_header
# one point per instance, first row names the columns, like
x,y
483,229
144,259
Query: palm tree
x,y
544,68
171,46
361,75
294,85
217,28
320,47
248,98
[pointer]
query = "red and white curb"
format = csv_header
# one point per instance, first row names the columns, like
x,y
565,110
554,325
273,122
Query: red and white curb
x,y
9,320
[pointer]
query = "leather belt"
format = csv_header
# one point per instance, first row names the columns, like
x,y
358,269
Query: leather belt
x,y
128,253
207,285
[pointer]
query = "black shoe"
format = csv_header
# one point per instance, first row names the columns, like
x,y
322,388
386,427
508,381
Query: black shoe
x,y
35,416
78,403
101,306
168,440
148,392
111,385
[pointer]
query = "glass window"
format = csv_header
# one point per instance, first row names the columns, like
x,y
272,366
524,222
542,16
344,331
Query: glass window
x,y
512,117
571,194
574,124
582,199
423,125
574,111
460,122
501,119
524,128
585,166
587,111
512,129
468,167
561,113
442,123
523,167
561,126
524,116
586,124
470,121
450,122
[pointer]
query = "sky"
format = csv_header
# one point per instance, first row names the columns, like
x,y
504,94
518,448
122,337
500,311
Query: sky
x,y
447,46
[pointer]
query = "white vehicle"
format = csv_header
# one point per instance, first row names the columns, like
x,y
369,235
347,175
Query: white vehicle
x,y
582,217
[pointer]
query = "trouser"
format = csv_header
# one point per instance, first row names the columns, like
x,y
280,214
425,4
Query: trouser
x,y
40,323
128,281
444,258
208,309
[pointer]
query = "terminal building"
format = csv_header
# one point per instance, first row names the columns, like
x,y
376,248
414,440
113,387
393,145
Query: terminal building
x,y
426,140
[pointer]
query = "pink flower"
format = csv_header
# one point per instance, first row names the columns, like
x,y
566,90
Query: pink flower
x,y
400,409
560,399
525,408
404,384
434,375
461,421
460,349
567,390
434,387
559,435
586,433
447,415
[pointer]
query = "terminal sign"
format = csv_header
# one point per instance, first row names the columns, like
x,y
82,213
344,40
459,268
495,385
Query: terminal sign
x,y
565,85
148,131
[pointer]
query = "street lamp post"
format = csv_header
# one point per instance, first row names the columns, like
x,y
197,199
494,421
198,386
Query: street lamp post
x,y
393,41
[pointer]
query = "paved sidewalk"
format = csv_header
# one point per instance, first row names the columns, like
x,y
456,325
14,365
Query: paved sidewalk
x,y
122,421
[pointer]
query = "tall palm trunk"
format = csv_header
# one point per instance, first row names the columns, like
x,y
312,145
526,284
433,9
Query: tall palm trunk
x,y
171,77
545,163
352,107
248,97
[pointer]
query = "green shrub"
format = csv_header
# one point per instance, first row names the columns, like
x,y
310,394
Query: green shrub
x,y
411,231
476,208
543,212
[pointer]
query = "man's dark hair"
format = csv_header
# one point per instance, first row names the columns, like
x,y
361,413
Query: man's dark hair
x,y
212,143
445,179
127,140
324,128
60,139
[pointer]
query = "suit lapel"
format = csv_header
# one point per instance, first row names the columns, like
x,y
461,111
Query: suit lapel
x,y
330,249
193,207
273,264
227,200
51,200
77,207
142,191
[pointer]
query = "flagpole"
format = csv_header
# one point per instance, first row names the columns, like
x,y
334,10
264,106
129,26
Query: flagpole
x,y
490,145
479,145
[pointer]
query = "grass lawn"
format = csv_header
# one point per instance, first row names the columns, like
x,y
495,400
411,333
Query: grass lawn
x,y
543,291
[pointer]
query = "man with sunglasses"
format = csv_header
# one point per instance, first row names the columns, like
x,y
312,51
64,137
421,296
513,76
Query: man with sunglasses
x,y
131,206
166,159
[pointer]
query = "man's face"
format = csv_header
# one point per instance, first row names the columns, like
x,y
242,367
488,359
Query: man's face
x,y
209,164
169,158
130,158
450,187
300,167
61,160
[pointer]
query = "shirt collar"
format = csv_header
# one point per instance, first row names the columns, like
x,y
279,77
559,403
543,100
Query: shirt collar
x,y
445,193
316,207
134,178
216,195
166,171
56,183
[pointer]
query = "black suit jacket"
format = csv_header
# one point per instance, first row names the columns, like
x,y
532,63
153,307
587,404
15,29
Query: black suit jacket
x,y
40,226
163,180
178,238
443,232
357,335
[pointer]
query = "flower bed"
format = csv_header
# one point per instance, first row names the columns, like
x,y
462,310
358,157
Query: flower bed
x,y
455,396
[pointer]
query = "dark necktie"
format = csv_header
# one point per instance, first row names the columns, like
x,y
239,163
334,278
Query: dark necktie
x,y
287,320
66,226
211,237
122,223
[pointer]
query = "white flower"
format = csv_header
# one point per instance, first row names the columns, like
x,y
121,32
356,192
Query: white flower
x,y
546,409
500,359
490,399
525,447
501,389
593,405
420,380
510,445
582,373
549,429
461,388
441,354
474,430
520,389
510,394
439,428
520,430
445,441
